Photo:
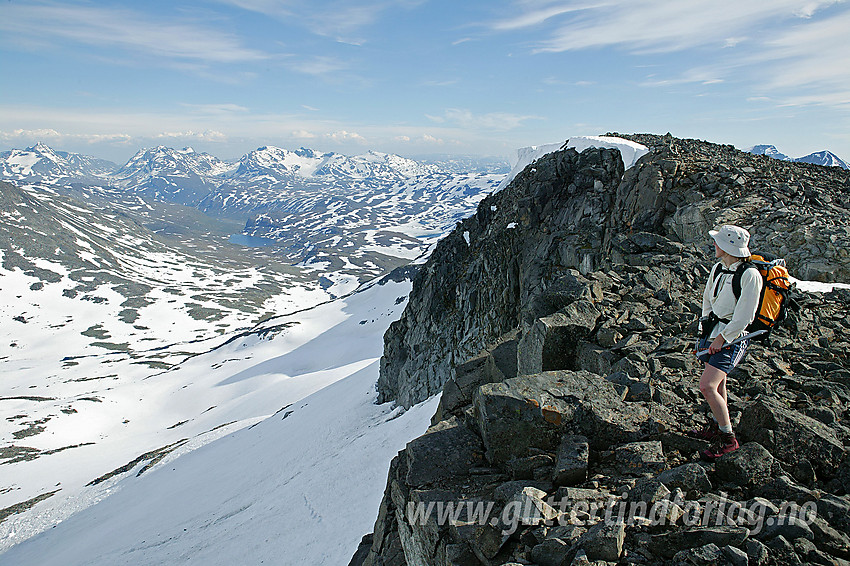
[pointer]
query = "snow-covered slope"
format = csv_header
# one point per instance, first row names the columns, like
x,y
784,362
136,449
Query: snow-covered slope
x,y
313,471
90,270
826,158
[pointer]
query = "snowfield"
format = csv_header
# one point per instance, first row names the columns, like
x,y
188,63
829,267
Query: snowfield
x,y
298,482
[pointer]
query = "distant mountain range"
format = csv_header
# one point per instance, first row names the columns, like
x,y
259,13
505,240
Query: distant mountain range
x,y
360,215
826,158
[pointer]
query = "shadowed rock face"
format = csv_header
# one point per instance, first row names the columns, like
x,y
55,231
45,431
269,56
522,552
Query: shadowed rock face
x,y
578,410
571,211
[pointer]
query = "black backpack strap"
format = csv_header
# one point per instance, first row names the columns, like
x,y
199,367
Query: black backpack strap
x,y
736,279
715,274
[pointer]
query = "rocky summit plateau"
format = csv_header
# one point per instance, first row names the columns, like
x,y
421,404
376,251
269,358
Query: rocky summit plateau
x,y
558,325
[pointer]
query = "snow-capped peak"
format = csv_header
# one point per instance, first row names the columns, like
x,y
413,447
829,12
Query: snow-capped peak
x,y
824,157
42,162
768,150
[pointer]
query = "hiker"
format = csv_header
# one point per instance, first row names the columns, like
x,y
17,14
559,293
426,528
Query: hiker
x,y
724,319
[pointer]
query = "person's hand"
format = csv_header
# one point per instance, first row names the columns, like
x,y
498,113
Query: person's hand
x,y
717,345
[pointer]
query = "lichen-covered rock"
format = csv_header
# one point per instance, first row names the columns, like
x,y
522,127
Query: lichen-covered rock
x,y
535,411
638,458
751,464
690,477
790,435
448,449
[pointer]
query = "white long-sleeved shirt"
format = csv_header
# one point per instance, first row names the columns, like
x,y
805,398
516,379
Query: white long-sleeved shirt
x,y
740,312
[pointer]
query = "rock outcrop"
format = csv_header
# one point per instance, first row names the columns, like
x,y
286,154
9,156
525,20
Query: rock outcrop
x,y
561,440
527,250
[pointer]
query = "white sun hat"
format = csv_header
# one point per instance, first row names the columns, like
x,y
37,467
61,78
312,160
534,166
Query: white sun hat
x,y
732,239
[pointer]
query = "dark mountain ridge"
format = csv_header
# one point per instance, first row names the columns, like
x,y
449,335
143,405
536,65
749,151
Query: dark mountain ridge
x,y
558,324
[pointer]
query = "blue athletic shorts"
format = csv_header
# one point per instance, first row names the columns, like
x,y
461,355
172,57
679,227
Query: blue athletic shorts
x,y
726,359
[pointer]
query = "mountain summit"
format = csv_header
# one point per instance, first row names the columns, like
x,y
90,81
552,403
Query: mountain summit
x,y
557,325
826,158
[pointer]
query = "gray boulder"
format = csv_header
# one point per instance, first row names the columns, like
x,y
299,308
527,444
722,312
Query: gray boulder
x,y
571,465
788,526
791,434
536,411
604,542
690,477
551,552
446,450
668,544
638,458
750,465
552,341
707,555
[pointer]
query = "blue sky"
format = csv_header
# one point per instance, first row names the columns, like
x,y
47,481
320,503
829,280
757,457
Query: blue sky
x,y
421,76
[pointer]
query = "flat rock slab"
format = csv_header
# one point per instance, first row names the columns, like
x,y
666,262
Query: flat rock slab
x,y
668,544
690,477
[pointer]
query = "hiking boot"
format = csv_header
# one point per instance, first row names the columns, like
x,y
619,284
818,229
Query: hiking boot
x,y
724,444
709,431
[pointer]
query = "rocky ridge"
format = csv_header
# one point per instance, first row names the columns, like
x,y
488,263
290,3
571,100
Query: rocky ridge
x,y
570,211
561,439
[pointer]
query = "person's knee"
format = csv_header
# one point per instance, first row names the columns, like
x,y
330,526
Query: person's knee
x,y
707,387
711,381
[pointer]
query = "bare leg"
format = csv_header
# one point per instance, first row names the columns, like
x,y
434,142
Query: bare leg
x,y
712,382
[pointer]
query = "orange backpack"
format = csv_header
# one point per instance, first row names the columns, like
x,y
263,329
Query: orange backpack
x,y
773,303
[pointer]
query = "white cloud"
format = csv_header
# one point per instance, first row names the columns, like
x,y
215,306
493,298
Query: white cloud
x,y
303,134
318,65
208,136
24,136
123,29
641,26
448,82
537,16
420,139
342,20
345,136
216,109
796,51
499,121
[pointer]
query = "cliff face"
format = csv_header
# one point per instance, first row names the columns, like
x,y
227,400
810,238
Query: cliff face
x,y
501,268
519,241
563,347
